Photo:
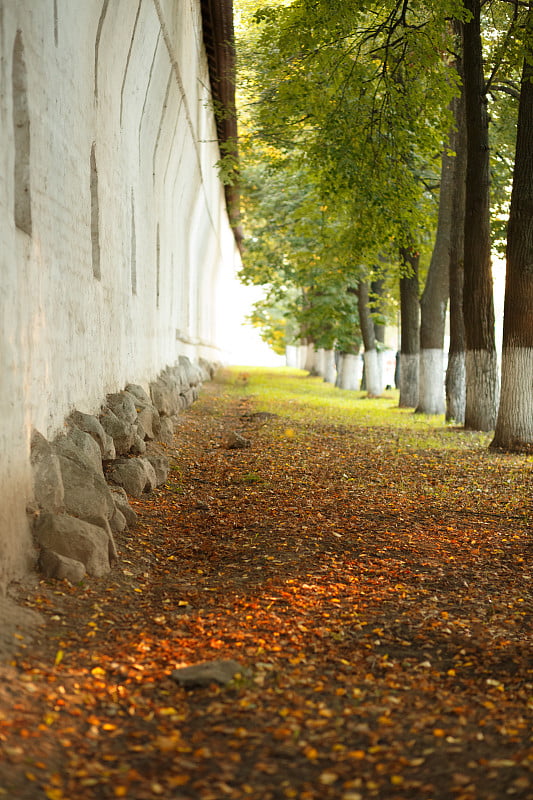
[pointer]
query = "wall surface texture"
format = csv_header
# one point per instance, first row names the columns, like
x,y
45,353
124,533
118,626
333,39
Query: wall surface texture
x,y
114,235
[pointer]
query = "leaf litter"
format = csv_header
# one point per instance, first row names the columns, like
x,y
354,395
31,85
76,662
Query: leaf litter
x,y
378,598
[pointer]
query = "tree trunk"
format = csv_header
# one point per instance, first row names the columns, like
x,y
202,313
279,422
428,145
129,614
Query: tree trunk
x,y
373,378
376,309
309,363
349,372
478,304
410,321
320,365
455,373
330,371
435,298
514,428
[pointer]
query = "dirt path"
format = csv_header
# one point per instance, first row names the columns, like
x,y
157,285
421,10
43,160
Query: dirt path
x,y
377,597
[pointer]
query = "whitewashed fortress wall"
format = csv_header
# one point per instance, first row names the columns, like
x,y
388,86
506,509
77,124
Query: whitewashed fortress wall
x,y
114,235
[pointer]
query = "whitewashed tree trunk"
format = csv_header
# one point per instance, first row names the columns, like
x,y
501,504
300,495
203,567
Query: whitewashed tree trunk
x,y
514,429
320,366
409,366
431,382
481,390
374,381
330,370
302,355
455,387
349,372
309,363
292,356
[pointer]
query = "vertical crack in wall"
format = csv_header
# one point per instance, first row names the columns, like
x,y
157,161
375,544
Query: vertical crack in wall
x,y
158,268
132,39
56,28
173,138
133,248
97,46
161,123
95,213
21,125
147,91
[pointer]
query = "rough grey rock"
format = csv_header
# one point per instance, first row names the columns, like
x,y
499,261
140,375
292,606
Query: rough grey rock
x,y
159,462
208,672
118,522
237,442
81,448
110,452
91,425
188,397
141,397
166,431
54,565
191,372
122,404
121,504
87,495
165,397
75,539
138,447
148,423
135,475
120,431
150,472
47,481
207,369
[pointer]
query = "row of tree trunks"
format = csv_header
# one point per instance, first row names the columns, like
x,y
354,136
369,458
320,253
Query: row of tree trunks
x,y
461,269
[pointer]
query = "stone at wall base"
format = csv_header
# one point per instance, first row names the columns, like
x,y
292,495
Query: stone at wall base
x,y
118,429
54,565
47,482
118,521
166,431
135,475
87,495
121,504
90,424
75,539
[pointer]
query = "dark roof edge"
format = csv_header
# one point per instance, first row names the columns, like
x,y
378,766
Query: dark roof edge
x,y
219,42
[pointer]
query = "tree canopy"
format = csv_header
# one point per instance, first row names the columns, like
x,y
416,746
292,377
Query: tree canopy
x,y
346,111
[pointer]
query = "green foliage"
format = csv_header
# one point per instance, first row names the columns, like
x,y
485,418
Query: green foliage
x,y
228,164
345,110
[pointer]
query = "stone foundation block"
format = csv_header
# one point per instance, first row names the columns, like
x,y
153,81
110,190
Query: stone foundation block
x,y
75,539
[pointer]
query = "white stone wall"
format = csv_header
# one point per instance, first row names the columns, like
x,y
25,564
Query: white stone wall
x,y
114,237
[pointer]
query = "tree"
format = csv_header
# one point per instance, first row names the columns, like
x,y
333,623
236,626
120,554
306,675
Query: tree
x,y
478,304
368,331
514,428
435,299
410,330
455,372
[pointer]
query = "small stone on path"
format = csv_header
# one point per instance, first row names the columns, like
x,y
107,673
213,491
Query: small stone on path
x,y
207,672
